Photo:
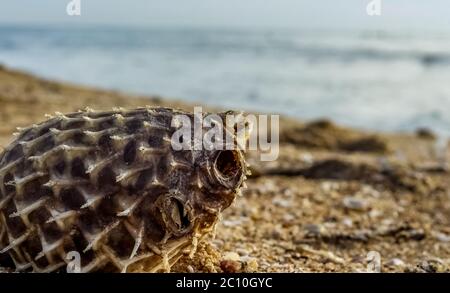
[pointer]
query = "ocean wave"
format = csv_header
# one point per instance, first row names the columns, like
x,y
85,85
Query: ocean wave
x,y
210,43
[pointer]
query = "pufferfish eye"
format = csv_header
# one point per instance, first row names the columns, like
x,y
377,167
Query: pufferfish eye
x,y
176,214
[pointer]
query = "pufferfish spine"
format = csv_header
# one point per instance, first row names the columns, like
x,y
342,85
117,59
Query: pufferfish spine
x,y
109,186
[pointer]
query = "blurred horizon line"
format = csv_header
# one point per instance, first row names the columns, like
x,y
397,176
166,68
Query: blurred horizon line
x,y
380,32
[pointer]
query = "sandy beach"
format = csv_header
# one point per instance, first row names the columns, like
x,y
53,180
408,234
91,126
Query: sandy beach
x,y
334,194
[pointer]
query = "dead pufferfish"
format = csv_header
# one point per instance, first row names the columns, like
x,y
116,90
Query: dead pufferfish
x,y
109,186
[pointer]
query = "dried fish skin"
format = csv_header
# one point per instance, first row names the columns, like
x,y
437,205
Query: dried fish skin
x,y
109,186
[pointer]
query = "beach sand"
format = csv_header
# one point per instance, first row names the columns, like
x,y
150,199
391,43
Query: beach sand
x,y
334,195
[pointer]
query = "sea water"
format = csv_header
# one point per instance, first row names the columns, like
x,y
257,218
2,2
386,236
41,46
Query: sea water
x,y
381,80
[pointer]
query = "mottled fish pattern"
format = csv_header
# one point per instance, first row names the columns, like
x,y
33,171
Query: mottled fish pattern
x,y
109,186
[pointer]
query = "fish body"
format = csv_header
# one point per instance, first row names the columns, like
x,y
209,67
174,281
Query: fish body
x,y
108,189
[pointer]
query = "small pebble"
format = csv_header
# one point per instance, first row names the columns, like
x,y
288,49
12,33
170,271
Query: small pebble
x,y
375,214
354,203
276,234
347,222
307,158
435,265
233,256
425,133
190,269
252,265
242,252
395,262
231,262
230,266
315,229
288,218
442,237
232,223
369,190
288,192
328,186
282,203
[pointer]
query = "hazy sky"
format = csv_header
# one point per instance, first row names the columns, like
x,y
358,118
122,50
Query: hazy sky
x,y
433,14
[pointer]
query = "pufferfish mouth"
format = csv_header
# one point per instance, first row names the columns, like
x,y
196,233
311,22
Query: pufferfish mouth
x,y
228,169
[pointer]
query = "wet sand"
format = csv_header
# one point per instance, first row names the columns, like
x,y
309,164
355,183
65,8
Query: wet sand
x,y
334,195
